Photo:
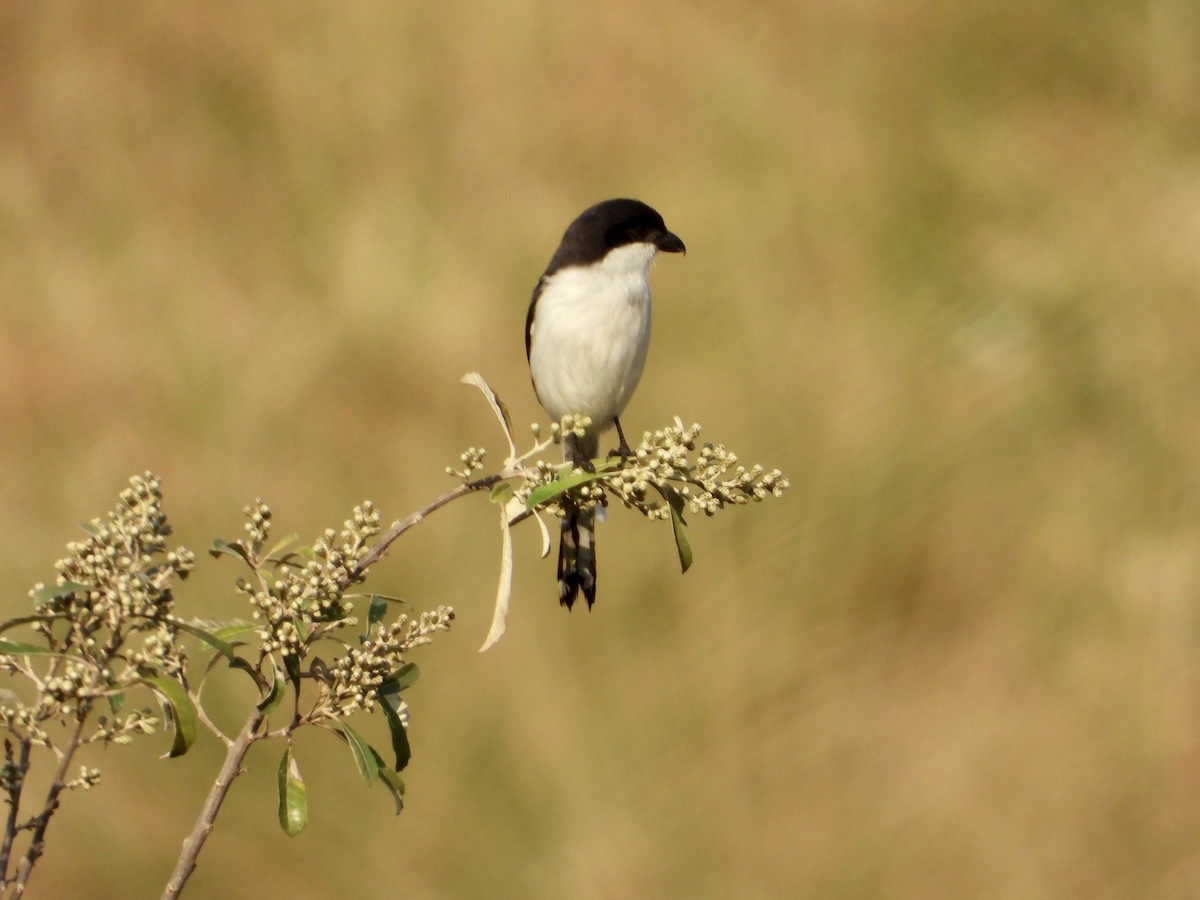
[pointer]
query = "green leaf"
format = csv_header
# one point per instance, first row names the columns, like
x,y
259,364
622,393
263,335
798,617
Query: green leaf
x,y
220,547
16,648
293,796
501,493
385,597
400,680
224,647
676,502
291,667
279,545
287,560
274,696
393,782
58,591
559,486
116,701
183,713
400,745
376,610
365,758
229,632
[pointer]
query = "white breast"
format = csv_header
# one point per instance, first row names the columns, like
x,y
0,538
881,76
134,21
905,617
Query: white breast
x,y
590,332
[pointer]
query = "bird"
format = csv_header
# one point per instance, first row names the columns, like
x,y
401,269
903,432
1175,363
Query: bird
x,y
586,337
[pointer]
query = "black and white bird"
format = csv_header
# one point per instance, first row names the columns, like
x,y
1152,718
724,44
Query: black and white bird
x,y
586,337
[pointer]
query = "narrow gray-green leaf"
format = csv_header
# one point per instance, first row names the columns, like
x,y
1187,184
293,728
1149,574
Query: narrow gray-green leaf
x,y
559,486
400,747
676,502
365,757
274,696
183,713
292,669
220,547
17,648
376,610
225,648
293,796
395,785
400,680
501,493
229,632
58,591
279,545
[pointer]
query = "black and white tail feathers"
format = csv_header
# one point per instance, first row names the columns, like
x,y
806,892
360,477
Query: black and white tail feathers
x,y
577,557
577,543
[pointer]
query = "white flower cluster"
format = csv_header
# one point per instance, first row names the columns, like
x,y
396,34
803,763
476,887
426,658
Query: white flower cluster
x,y
295,601
708,482
357,675
107,622
472,461
122,729
118,579
23,721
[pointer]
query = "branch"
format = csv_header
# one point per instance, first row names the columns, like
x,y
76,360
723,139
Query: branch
x,y
14,788
212,804
42,820
398,528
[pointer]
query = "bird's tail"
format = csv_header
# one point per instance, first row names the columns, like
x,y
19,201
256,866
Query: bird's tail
x,y
577,557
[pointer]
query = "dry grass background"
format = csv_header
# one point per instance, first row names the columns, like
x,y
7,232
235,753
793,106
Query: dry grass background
x,y
942,270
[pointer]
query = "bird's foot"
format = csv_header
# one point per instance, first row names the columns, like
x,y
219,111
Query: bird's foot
x,y
623,450
575,456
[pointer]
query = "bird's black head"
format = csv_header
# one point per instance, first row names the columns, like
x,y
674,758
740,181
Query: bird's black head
x,y
611,224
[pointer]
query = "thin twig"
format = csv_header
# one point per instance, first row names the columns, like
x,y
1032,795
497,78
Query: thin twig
x,y
42,820
207,722
13,789
398,528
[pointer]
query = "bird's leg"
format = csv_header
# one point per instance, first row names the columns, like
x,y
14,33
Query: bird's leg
x,y
623,449
574,455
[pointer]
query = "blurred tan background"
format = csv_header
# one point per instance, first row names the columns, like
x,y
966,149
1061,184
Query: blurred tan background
x,y
942,270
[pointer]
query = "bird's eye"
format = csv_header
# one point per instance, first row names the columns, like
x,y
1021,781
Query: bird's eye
x,y
615,237
631,232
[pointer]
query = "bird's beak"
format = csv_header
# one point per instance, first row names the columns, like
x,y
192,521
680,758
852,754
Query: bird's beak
x,y
669,243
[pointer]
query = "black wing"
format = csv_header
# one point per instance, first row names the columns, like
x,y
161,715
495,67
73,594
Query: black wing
x,y
537,292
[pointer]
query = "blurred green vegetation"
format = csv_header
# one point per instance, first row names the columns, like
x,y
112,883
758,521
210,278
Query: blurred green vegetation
x,y
942,270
